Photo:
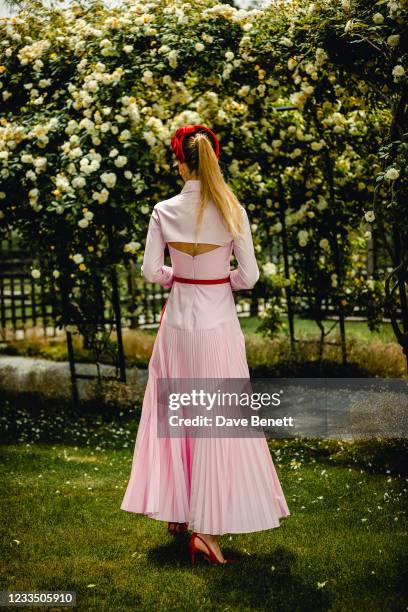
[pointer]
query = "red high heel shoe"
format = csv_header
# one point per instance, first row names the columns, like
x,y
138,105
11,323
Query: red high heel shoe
x,y
210,556
175,528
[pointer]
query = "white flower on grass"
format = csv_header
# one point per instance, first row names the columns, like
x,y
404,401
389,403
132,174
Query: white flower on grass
x,y
393,40
269,269
109,179
369,216
321,585
35,273
78,258
398,72
392,174
378,18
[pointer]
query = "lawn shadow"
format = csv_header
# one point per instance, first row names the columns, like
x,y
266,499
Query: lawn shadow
x,y
258,581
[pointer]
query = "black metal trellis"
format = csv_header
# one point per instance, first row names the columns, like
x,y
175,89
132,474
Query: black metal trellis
x,y
72,318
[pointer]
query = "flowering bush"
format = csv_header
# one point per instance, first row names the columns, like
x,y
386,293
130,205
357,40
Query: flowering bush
x,y
92,96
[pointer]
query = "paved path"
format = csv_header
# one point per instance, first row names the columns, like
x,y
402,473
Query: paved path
x,y
28,374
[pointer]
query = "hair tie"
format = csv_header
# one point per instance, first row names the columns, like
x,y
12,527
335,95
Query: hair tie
x,y
182,132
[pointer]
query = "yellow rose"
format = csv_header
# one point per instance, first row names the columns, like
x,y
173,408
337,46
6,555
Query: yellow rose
x,y
82,267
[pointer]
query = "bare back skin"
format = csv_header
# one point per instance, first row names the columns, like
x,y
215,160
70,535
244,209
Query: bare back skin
x,y
193,249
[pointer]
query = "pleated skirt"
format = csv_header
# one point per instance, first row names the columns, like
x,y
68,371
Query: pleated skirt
x,y
217,485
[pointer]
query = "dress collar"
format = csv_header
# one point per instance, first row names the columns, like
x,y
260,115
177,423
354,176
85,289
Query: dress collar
x,y
191,185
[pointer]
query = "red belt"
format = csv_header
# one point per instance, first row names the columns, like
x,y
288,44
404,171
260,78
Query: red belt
x,y
196,281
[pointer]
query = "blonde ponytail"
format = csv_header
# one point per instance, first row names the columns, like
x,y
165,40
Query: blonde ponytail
x,y
214,187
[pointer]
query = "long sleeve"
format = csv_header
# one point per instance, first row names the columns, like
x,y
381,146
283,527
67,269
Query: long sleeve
x,y
247,273
153,269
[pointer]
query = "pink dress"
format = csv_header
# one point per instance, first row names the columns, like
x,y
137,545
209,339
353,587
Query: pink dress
x,y
216,485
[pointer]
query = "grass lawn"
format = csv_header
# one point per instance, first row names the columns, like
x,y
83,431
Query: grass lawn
x,y
343,548
307,329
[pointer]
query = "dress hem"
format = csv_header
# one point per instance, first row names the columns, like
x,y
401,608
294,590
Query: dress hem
x,y
217,533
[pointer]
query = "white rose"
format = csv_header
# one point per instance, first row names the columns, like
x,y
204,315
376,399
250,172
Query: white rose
x,y
378,18
369,216
393,40
291,63
392,174
303,237
79,182
324,244
83,223
35,273
199,46
109,178
269,269
89,215
121,161
243,91
56,273
131,247
78,258
398,71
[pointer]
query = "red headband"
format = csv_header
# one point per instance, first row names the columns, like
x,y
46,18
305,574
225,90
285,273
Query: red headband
x,y
182,132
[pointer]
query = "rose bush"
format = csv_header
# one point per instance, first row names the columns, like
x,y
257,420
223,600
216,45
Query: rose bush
x,y
301,98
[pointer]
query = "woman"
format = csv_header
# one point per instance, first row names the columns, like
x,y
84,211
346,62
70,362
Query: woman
x,y
211,486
